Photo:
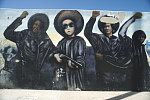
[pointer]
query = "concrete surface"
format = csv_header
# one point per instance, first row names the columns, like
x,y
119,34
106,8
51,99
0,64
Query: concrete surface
x,y
20,94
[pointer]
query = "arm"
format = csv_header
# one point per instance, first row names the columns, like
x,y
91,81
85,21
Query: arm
x,y
80,50
90,24
52,48
93,38
57,51
10,32
124,27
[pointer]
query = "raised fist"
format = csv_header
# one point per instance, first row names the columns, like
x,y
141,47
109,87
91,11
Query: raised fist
x,y
137,15
24,14
95,14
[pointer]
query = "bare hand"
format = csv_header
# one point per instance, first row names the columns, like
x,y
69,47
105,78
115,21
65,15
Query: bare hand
x,y
57,58
24,14
70,64
95,14
137,15
99,56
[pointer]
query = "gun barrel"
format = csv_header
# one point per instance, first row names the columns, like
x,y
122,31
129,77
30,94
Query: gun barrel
x,y
62,56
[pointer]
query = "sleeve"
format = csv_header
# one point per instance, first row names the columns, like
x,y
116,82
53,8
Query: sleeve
x,y
124,27
121,61
80,48
89,27
52,46
58,49
92,37
52,49
126,41
13,35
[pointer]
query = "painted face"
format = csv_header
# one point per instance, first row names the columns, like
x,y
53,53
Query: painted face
x,y
69,27
141,39
108,29
36,26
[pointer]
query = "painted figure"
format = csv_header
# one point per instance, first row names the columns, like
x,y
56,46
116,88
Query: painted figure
x,y
140,62
8,72
34,51
8,54
113,54
70,51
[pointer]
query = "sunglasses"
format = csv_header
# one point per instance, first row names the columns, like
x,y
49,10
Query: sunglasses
x,y
65,26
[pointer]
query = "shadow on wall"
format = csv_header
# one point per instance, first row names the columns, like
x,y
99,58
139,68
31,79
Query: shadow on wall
x,y
90,73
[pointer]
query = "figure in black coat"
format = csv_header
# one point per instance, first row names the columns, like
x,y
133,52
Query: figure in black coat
x,y
140,62
34,50
112,54
69,23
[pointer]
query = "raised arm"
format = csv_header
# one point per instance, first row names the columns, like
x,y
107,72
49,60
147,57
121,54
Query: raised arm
x,y
10,32
124,27
90,24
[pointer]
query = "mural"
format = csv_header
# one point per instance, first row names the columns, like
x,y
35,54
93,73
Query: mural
x,y
75,50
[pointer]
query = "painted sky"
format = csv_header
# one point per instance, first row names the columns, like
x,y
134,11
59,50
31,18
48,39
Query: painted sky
x,y
35,6
7,16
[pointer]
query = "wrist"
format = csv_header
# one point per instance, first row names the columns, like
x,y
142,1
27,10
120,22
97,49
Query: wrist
x,y
94,16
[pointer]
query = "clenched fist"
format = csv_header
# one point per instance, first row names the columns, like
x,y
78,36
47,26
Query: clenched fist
x,y
24,14
137,15
95,14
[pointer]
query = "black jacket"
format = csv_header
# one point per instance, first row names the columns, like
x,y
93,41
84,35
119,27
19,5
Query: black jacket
x,y
32,52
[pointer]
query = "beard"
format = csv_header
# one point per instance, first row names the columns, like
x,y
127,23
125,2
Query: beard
x,y
37,35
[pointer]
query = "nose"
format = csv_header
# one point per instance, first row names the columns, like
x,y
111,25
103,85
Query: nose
x,y
107,27
68,27
35,26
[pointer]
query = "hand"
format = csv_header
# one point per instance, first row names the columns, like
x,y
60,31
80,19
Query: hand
x,y
57,57
99,56
70,64
24,14
95,14
137,15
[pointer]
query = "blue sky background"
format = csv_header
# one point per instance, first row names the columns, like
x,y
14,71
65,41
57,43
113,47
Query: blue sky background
x,y
113,5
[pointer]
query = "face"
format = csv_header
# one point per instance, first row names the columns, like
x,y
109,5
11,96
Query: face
x,y
36,26
68,27
141,39
108,29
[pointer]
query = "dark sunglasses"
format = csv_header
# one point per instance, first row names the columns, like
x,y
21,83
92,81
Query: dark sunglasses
x,y
65,26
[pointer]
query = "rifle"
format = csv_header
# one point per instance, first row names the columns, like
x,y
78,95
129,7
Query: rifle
x,y
64,57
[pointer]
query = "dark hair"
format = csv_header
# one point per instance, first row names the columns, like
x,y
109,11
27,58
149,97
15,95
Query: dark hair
x,y
41,23
6,49
73,15
138,33
43,18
